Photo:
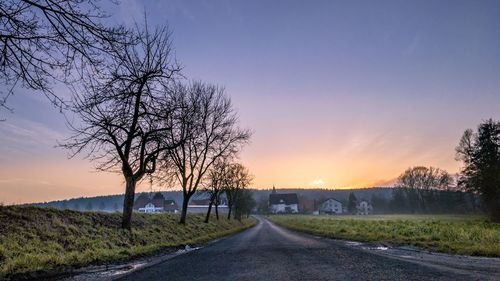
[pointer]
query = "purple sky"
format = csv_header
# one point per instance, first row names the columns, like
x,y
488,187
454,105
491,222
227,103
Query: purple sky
x,y
338,93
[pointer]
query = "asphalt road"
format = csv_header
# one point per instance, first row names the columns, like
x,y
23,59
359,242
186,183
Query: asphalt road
x,y
269,252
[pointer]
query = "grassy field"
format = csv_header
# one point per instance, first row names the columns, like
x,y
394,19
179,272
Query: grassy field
x,y
467,235
36,241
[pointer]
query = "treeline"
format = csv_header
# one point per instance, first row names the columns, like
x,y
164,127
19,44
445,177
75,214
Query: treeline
x,y
408,201
383,199
110,203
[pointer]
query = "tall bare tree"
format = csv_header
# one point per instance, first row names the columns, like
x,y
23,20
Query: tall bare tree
x,y
214,134
420,182
127,114
44,41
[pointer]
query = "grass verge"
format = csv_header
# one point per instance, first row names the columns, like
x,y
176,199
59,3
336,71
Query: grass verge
x,y
465,235
40,241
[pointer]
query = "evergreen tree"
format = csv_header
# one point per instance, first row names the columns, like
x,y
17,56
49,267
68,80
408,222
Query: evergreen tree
x,y
379,204
352,206
480,153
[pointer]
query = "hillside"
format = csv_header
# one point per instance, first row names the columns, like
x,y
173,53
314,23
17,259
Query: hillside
x,y
39,241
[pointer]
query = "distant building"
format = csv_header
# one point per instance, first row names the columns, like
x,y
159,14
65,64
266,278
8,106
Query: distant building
x,y
283,203
155,204
306,206
331,206
200,206
364,208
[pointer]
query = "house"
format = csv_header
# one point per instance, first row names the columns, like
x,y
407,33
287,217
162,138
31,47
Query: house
x,y
283,203
364,208
331,206
155,204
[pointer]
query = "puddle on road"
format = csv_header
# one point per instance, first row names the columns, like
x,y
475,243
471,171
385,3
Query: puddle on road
x,y
123,270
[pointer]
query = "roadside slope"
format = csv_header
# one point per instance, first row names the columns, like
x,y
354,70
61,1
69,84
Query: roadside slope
x,y
43,241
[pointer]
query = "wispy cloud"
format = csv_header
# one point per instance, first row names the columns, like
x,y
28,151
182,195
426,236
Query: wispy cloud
x,y
23,137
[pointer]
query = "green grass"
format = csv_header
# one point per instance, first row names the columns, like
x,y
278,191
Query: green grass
x,y
466,235
36,241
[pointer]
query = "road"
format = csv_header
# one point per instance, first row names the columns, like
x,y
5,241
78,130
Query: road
x,y
269,252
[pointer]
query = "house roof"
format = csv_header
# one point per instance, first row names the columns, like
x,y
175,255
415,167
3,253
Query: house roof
x,y
283,198
158,200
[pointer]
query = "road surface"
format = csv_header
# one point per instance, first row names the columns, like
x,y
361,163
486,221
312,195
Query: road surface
x,y
269,252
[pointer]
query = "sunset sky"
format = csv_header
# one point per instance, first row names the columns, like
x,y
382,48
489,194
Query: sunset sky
x,y
338,94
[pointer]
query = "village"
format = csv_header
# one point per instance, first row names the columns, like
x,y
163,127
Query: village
x,y
277,203
249,140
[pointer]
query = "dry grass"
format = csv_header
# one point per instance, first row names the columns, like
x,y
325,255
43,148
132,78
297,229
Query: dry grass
x,y
467,235
35,240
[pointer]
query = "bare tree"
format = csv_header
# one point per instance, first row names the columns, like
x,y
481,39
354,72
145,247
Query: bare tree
x,y
213,134
217,175
237,179
44,41
420,182
244,204
127,114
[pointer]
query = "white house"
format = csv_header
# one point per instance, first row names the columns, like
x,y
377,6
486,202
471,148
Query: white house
x,y
331,206
364,208
155,204
150,208
284,203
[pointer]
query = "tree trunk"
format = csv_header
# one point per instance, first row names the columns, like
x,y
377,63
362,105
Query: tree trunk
x,y
229,213
208,211
217,210
185,203
128,203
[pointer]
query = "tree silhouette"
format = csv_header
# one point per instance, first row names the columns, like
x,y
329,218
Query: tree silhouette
x,y
480,153
213,134
127,116
237,179
420,184
352,203
44,41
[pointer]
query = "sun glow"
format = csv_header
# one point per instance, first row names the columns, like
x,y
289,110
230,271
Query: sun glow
x,y
317,182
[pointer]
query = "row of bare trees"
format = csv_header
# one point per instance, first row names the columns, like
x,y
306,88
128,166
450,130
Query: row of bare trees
x,y
139,118
231,180
131,110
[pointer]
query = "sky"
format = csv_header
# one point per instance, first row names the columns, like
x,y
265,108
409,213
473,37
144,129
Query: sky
x,y
339,94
